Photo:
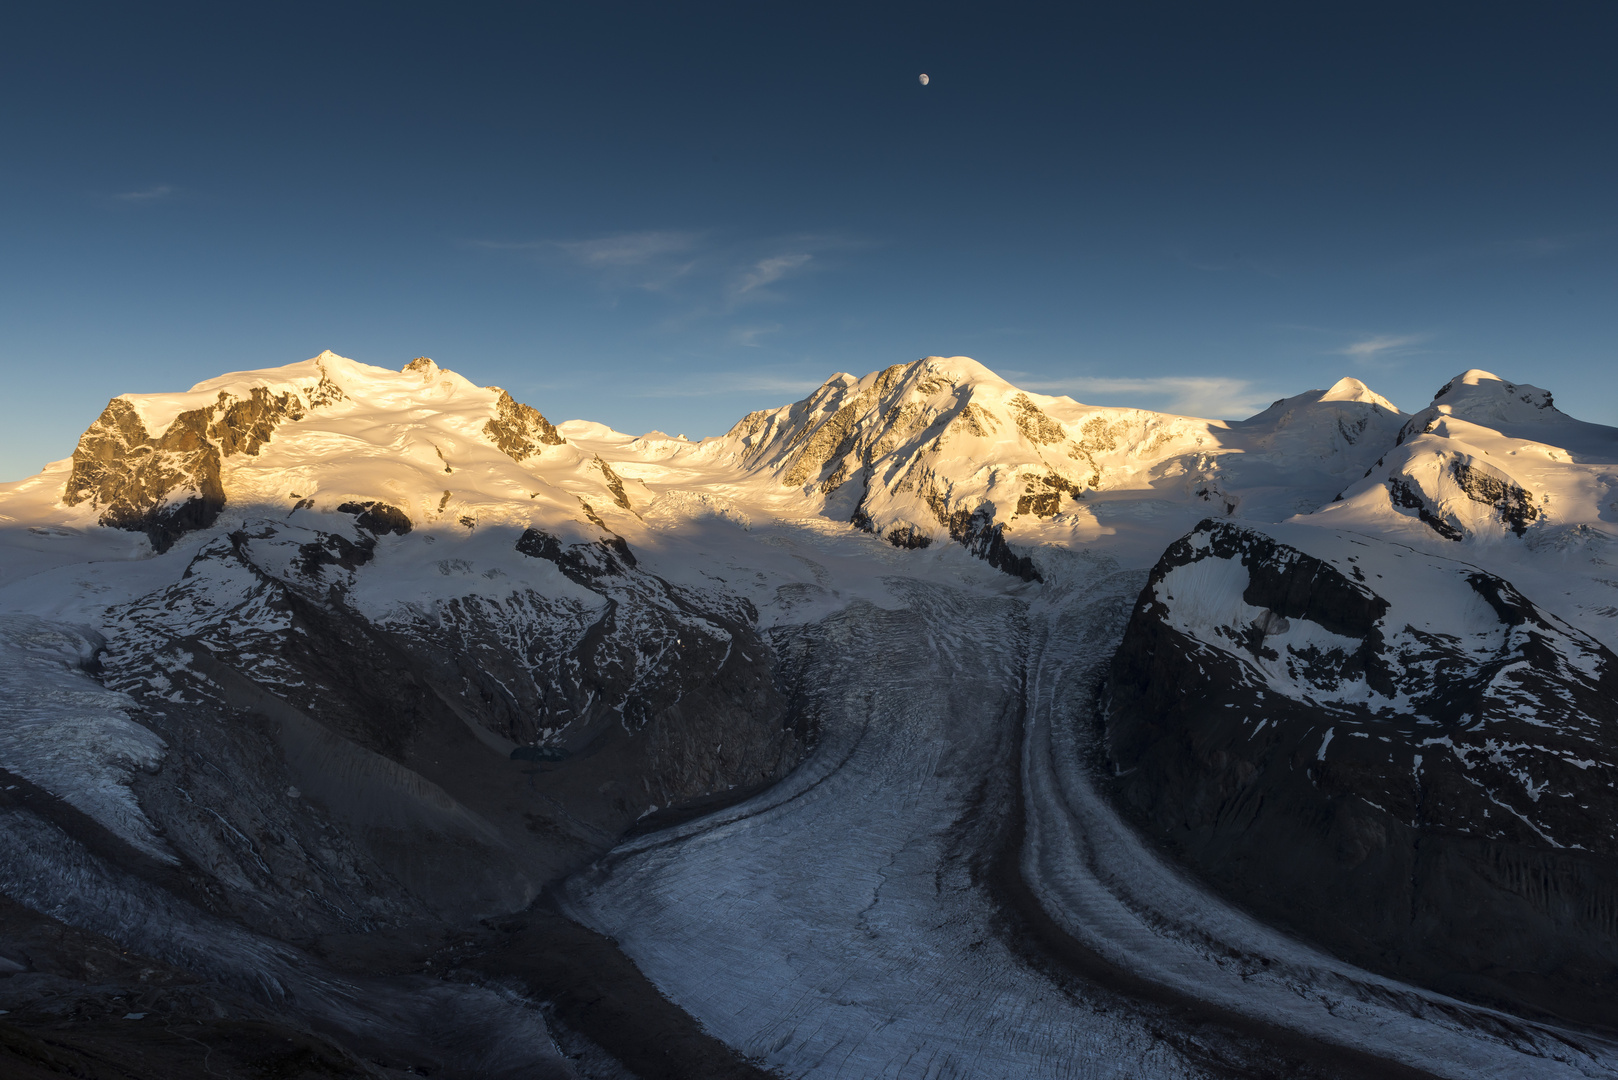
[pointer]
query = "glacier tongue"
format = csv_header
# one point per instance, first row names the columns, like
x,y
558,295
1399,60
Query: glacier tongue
x,y
848,921
834,926
62,730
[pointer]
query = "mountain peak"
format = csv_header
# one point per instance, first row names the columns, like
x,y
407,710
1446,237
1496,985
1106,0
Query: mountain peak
x,y
1484,397
1351,389
958,369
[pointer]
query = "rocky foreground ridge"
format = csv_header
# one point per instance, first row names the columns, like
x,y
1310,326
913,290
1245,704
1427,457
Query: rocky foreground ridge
x,y
1395,754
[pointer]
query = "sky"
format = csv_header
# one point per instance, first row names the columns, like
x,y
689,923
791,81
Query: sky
x,y
667,215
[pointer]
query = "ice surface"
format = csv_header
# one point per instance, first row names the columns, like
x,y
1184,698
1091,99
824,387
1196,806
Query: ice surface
x,y
831,927
834,926
64,731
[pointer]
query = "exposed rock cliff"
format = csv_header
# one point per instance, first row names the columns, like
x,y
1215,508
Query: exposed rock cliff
x,y
168,484
519,430
1395,754
162,486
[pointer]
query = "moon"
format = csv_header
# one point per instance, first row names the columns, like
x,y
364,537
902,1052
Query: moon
x,y
924,80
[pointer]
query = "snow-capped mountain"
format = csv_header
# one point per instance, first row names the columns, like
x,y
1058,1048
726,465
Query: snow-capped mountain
x,y
942,449
933,451
1489,458
167,464
309,663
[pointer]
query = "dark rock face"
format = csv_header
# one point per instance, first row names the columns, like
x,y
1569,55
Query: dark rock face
x,y
584,563
378,518
980,534
1514,504
908,537
519,430
615,484
136,480
1043,497
242,426
1402,493
1033,422
988,542
167,485
1439,808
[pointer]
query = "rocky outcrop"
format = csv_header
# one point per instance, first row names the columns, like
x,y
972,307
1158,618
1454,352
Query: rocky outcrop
x,y
163,486
1034,424
615,484
519,430
1043,495
1400,757
1513,503
168,484
584,563
1403,494
378,518
242,426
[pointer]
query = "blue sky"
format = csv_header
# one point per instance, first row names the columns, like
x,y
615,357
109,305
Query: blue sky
x,y
668,215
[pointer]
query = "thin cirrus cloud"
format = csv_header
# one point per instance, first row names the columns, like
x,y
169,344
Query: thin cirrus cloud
x,y
1530,247
1379,349
658,258
766,272
701,278
652,260
1188,395
749,335
629,249
746,272
150,194
619,249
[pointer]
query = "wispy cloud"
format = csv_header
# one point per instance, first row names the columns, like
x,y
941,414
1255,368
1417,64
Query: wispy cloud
x,y
749,335
767,271
1189,395
1380,349
703,278
151,194
619,249
1530,247
630,249
651,260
